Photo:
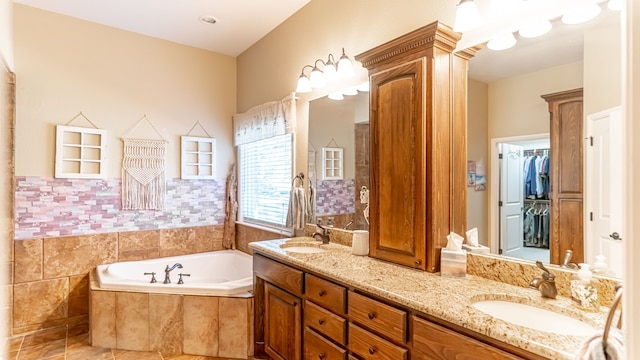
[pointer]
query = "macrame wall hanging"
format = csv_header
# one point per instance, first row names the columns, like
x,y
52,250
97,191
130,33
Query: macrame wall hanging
x,y
143,171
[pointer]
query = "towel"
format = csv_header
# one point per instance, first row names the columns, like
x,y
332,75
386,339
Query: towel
x,y
297,208
594,349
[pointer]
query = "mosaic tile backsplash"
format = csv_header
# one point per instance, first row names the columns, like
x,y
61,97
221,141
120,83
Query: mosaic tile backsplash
x,y
335,197
49,207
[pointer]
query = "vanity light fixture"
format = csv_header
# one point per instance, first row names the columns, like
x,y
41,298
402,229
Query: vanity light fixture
x,y
364,87
502,42
584,12
467,16
535,28
350,91
336,96
330,72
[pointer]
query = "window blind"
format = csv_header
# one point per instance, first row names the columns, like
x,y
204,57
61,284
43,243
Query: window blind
x,y
265,168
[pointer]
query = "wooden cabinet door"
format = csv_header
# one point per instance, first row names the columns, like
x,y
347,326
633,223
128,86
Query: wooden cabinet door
x,y
282,324
567,186
398,157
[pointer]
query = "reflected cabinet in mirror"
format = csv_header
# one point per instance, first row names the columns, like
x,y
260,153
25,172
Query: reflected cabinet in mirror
x,y
549,105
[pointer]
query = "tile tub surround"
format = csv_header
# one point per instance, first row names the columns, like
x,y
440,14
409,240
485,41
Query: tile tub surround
x,y
172,324
51,282
449,299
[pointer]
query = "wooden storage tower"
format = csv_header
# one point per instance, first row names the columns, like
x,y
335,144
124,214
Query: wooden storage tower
x,y
418,145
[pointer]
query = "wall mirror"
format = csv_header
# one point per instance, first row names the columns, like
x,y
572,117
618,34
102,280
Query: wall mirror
x,y
507,114
339,124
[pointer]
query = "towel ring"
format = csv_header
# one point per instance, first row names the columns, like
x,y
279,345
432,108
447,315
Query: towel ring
x,y
612,310
298,177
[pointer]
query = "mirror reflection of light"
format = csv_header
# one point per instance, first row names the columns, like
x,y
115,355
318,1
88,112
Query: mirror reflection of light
x,y
535,28
336,96
581,13
502,42
363,87
350,91
467,16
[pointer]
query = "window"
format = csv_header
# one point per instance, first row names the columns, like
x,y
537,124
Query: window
x,y
265,168
331,163
80,152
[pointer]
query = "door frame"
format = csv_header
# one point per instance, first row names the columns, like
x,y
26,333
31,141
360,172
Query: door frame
x,y
494,181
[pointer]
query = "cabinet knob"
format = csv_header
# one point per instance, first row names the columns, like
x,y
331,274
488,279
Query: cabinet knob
x,y
322,293
321,321
322,356
371,315
418,262
372,350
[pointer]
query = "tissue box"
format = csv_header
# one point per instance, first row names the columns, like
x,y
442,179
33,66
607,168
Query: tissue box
x,y
480,249
453,263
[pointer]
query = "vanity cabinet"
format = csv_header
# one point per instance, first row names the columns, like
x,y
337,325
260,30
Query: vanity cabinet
x,y
416,103
567,185
318,318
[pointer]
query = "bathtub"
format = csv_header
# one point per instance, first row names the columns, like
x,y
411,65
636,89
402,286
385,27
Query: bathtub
x,y
218,273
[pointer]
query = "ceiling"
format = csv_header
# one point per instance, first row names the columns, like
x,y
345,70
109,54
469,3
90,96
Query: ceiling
x,y
240,23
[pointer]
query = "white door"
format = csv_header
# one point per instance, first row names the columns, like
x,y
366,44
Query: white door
x,y
604,184
511,199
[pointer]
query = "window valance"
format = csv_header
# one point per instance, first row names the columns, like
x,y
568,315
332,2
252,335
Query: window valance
x,y
264,121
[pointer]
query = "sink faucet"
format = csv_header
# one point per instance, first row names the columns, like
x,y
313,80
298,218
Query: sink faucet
x,y
321,234
167,270
546,284
566,262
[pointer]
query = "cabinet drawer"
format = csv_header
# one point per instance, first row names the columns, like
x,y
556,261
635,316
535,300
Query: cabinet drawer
x,y
378,317
279,274
326,294
434,342
325,322
369,346
318,348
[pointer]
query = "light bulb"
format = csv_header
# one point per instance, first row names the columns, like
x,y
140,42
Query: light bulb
x,y
316,78
345,67
330,72
304,86
467,16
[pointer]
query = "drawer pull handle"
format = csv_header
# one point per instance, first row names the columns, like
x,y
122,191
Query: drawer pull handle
x,y
321,321
321,356
371,350
322,293
371,315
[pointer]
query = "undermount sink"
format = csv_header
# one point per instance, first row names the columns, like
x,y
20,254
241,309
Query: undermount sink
x,y
534,317
302,248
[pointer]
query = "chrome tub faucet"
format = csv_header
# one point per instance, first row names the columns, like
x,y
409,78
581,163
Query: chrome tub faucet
x,y
546,284
167,270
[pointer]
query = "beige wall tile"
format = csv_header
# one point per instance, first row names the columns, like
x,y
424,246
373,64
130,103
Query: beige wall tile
x,y
247,234
233,327
40,301
78,305
103,319
74,255
132,321
138,245
28,263
176,242
201,325
165,323
79,285
209,238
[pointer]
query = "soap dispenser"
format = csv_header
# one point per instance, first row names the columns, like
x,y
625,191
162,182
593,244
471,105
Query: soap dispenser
x,y
584,289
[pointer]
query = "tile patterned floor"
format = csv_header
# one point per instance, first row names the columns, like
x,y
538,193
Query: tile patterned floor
x,y
76,346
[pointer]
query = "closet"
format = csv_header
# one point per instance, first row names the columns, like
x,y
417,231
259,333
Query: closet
x,y
536,186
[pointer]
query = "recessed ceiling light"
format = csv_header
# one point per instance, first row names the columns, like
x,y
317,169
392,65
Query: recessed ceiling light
x,y
208,19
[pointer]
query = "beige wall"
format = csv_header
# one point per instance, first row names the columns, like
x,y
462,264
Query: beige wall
x,y
66,66
6,33
478,151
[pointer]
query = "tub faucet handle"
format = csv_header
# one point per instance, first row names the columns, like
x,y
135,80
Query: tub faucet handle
x,y
153,276
180,278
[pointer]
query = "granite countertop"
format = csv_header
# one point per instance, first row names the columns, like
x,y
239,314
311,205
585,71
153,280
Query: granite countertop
x,y
450,299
